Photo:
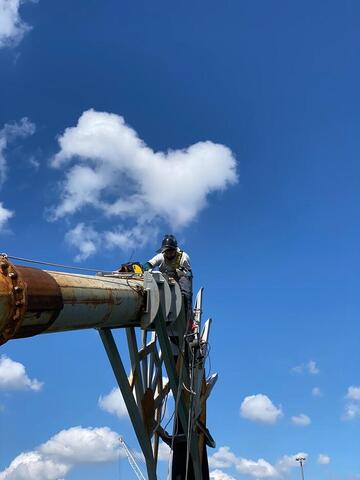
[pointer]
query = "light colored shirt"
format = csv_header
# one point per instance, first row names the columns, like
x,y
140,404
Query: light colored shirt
x,y
179,266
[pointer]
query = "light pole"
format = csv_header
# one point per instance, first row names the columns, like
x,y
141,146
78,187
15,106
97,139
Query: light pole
x,y
301,460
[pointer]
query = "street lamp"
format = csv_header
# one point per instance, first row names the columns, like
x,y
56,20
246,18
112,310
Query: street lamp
x,y
301,460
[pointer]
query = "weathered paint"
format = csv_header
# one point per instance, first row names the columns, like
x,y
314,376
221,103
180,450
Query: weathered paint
x,y
34,301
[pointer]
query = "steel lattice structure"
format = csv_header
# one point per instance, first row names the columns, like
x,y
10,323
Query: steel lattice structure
x,y
150,307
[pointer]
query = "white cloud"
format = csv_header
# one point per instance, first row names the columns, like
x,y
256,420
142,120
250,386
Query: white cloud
x,y
287,462
312,368
5,215
32,466
220,475
353,393
352,410
323,459
85,239
55,458
352,407
113,403
225,458
316,392
9,133
309,367
12,28
13,376
301,420
259,408
82,445
256,468
109,168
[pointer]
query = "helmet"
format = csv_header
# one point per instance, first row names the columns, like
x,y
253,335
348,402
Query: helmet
x,y
169,241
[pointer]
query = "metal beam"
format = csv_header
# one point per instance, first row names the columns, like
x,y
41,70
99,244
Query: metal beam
x,y
122,380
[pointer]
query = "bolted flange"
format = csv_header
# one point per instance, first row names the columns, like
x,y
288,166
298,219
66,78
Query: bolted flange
x,y
17,295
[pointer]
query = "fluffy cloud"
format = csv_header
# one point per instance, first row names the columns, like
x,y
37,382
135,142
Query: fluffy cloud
x,y
323,459
85,239
352,410
5,215
13,376
32,466
220,475
82,445
109,168
9,133
309,367
259,408
225,458
352,406
113,403
316,392
12,28
301,420
287,462
55,458
353,393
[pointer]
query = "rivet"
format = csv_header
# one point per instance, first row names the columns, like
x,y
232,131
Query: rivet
x,y
13,275
18,289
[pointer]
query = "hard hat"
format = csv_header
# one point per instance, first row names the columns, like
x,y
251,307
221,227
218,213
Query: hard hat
x,y
169,241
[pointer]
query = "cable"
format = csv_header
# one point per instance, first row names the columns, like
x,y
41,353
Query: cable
x,y
28,260
83,269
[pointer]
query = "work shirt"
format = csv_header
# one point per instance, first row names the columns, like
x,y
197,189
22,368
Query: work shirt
x,y
177,267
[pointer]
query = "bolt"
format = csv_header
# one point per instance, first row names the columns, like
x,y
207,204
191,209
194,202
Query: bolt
x,y
18,289
13,275
19,303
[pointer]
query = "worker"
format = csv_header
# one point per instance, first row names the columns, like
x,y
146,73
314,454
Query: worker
x,y
176,264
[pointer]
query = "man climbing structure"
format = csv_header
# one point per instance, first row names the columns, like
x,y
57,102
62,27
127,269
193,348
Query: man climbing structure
x,y
175,263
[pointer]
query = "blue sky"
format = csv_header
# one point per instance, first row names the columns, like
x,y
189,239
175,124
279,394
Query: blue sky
x,y
250,112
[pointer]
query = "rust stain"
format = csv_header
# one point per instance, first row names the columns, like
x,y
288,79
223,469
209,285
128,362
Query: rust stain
x,y
17,299
43,296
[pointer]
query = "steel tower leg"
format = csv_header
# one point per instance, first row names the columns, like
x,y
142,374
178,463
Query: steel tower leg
x,y
122,380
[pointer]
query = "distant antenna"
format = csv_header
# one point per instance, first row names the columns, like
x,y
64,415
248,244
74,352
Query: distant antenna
x,y
132,460
301,460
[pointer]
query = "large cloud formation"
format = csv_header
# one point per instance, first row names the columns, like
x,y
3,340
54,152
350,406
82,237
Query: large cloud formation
x,y
12,28
109,168
55,458
225,458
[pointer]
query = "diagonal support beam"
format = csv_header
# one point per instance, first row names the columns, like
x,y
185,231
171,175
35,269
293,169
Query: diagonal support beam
x,y
122,380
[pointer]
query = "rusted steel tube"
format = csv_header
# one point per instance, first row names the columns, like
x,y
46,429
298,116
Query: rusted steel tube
x,y
34,301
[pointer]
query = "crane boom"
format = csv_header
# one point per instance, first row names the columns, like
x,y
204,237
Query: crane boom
x,y
132,460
